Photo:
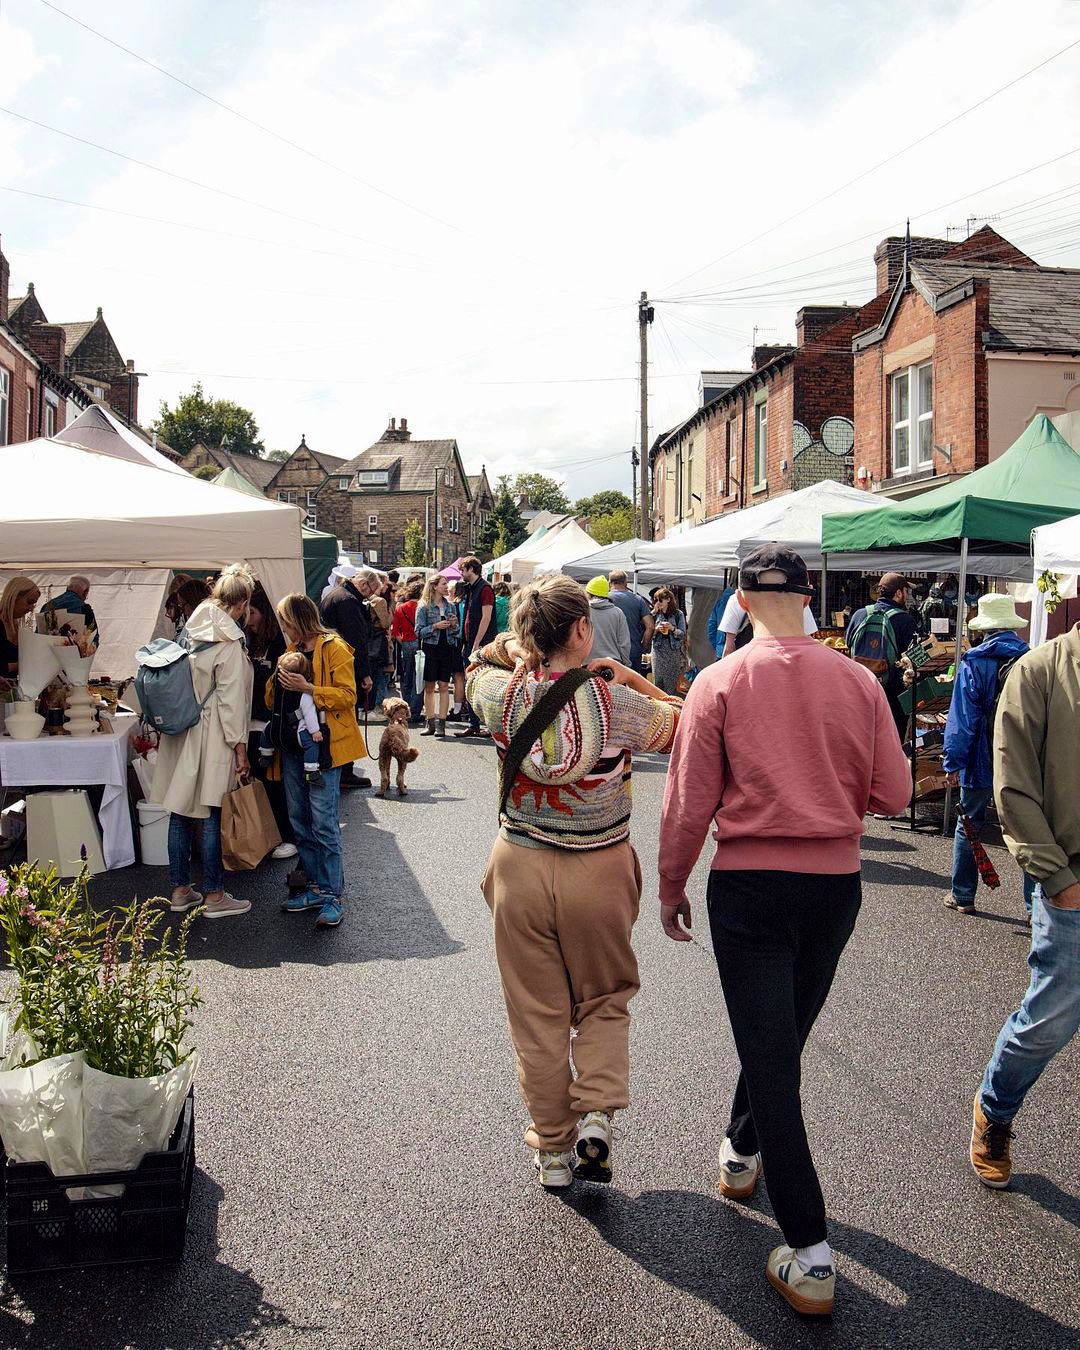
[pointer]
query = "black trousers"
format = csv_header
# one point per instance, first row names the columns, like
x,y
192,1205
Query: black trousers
x,y
778,937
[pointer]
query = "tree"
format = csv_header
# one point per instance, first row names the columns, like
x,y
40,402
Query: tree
x,y
207,472
278,456
216,422
504,528
544,494
613,527
603,503
414,552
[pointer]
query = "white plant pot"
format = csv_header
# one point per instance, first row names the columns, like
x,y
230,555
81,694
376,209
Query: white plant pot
x,y
25,726
39,663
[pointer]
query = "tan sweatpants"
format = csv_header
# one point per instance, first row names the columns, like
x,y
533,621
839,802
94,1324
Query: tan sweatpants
x,y
562,940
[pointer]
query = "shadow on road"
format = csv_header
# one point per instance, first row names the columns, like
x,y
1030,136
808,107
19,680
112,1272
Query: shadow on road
x,y
872,843
876,872
716,1252
200,1302
1052,1198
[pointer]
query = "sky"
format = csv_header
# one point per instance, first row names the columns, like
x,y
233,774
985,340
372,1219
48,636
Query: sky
x,y
472,202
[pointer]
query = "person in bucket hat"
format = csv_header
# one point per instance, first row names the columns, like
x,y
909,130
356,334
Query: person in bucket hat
x,y
969,734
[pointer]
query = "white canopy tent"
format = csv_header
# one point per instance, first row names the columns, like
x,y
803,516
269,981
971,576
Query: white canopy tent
x,y
501,566
701,556
612,558
1055,548
558,547
65,509
96,428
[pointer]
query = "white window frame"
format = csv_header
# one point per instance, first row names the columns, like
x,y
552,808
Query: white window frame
x,y
373,524
374,477
761,444
917,418
288,496
29,413
5,404
312,517
343,484
52,408
448,477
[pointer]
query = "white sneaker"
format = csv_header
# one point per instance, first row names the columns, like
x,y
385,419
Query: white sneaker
x,y
285,851
738,1173
553,1169
810,1292
594,1147
180,904
226,907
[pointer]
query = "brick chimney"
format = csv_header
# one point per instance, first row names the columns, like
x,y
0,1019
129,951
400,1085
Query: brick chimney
x,y
814,320
5,282
48,340
124,393
763,355
394,432
889,257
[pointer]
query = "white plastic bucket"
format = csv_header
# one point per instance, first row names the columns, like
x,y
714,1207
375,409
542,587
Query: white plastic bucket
x,y
154,834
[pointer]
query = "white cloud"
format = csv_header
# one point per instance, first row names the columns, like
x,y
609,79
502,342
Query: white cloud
x,y
578,156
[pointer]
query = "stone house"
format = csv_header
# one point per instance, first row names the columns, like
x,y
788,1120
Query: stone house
x,y
974,339
257,471
371,498
299,478
481,505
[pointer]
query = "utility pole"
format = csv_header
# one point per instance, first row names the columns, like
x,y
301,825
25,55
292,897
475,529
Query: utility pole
x,y
634,462
645,317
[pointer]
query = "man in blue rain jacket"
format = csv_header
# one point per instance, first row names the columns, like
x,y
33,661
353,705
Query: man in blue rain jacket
x,y
969,733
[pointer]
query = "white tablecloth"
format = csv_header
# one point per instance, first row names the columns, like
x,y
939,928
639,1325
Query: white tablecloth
x,y
75,761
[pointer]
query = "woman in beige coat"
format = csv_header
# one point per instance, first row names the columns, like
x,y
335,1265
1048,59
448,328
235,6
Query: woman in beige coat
x,y
197,768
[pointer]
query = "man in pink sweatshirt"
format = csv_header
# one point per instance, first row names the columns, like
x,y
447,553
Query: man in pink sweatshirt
x,y
782,748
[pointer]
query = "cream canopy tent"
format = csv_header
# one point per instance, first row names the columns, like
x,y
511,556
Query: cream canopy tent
x,y
1055,548
96,428
566,544
127,526
500,566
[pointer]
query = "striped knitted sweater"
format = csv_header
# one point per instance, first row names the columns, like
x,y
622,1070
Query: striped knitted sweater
x,y
573,790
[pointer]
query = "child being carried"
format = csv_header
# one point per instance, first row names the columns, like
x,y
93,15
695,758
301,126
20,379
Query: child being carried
x,y
294,719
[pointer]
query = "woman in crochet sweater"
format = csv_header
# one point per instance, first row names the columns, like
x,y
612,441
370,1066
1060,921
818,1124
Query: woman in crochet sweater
x,y
563,881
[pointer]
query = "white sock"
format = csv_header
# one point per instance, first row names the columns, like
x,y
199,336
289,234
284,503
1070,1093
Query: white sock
x,y
820,1254
456,709
727,1152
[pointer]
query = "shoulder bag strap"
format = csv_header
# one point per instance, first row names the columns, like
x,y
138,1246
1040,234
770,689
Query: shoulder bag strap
x,y
544,712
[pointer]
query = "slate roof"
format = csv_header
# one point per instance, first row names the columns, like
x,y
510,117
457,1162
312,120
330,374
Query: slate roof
x,y
330,464
14,302
255,470
412,464
1032,309
75,332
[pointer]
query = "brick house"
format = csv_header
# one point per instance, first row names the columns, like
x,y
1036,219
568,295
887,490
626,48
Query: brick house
x,y
481,505
36,397
973,340
299,478
257,471
783,425
85,351
369,501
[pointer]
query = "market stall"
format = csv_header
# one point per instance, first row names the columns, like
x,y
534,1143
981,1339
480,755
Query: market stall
x,y
615,557
128,526
1056,550
558,547
500,567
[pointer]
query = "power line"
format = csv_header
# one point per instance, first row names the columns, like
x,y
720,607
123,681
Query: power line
x,y
251,122
810,206
333,379
207,187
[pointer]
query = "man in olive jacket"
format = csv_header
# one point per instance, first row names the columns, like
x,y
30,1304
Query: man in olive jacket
x,y
1037,784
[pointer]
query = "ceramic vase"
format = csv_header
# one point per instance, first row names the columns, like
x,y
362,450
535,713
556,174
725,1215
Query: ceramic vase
x,y
81,712
24,725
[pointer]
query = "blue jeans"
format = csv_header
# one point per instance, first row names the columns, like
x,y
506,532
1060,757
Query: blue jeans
x,y
965,874
380,686
407,675
1046,1020
181,841
309,747
313,811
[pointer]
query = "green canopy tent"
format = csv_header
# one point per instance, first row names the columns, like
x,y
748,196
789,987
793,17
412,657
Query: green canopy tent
x,y
989,512
320,550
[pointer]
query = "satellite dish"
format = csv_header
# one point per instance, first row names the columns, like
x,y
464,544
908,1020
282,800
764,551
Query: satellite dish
x,y
838,435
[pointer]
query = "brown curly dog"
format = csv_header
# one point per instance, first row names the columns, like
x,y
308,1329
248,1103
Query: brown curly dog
x,y
395,745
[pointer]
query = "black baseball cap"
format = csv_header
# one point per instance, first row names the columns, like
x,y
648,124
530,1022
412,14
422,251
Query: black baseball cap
x,y
775,558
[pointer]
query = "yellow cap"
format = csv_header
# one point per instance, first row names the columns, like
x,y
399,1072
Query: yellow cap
x,y
599,587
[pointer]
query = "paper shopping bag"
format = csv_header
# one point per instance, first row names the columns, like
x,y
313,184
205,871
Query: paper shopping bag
x,y
248,828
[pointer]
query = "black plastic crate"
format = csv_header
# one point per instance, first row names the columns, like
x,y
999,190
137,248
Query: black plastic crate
x,y
46,1230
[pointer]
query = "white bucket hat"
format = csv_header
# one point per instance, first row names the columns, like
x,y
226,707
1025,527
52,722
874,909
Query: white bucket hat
x,y
996,611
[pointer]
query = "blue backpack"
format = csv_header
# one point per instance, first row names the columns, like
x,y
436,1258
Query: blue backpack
x,y
165,686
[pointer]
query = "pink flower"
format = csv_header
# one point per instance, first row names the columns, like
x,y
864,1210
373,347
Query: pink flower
x,y
21,893
3,887
29,912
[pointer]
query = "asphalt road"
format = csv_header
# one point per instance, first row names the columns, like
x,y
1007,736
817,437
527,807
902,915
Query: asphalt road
x,y
361,1180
